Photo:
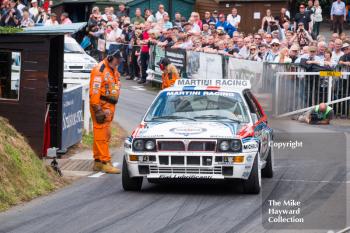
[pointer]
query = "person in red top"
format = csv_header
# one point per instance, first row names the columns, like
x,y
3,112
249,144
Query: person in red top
x,y
144,57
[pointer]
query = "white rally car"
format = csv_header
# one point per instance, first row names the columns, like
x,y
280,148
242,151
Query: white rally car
x,y
75,58
201,129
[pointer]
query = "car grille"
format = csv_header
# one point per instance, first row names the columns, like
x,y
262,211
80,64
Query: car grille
x,y
185,170
171,146
202,146
186,160
76,67
192,145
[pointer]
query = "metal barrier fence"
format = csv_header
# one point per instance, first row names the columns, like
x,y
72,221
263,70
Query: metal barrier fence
x,y
289,87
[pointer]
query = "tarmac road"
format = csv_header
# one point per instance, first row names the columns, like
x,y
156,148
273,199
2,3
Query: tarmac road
x,y
315,174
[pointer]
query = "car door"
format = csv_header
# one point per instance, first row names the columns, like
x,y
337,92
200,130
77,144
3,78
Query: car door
x,y
261,129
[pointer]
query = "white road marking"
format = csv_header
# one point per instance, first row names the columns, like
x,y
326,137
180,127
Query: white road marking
x,y
313,181
97,175
344,230
138,88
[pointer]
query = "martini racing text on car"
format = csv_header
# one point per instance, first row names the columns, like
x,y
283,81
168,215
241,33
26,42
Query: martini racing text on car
x,y
201,129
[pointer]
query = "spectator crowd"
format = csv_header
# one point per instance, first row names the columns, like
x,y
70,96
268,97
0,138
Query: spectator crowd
x,y
280,39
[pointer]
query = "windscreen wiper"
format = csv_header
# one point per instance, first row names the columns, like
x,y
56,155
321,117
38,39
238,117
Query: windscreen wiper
x,y
173,117
216,117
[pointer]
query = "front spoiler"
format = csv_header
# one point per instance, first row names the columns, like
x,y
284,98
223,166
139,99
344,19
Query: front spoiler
x,y
186,176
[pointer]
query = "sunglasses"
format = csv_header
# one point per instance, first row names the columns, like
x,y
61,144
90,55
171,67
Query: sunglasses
x,y
275,45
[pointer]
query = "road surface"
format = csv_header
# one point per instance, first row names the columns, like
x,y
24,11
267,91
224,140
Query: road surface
x,y
316,175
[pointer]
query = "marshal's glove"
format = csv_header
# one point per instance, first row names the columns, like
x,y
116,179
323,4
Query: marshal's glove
x,y
99,114
100,117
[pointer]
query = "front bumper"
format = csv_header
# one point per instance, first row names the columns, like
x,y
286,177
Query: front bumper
x,y
219,167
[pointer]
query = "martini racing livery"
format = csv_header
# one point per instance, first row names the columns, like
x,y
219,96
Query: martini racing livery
x,y
201,129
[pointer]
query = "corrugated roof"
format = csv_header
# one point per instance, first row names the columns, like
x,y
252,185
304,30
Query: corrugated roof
x,y
55,29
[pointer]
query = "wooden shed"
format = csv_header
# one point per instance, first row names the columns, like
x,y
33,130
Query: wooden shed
x,y
251,11
31,79
78,11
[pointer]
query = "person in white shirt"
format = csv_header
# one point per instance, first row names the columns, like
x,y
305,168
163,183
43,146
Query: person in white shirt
x,y
52,20
20,6
160,13
317,17
337,53
234,19
34,10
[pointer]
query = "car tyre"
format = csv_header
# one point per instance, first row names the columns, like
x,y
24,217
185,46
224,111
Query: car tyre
x,y
129,183
253,184
268,169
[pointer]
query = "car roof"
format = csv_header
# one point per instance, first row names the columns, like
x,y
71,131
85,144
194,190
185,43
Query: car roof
x,y
227,85
68,39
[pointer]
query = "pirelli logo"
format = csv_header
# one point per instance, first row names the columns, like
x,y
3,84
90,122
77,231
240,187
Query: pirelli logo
x,y
330,73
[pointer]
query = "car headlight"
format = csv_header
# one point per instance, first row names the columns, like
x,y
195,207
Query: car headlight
x,y
138,145
224,146
89,66
150,145
236,145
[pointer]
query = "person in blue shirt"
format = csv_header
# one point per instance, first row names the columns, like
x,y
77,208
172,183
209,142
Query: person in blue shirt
x,y
338,15
229,29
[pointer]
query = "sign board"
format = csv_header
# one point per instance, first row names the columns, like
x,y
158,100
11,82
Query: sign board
x,y
178,58
246,70
159,53
192,70
72,117
204,65
330,73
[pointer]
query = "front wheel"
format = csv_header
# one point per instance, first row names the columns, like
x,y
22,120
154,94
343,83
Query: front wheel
x,y
253,184
268,169
130,183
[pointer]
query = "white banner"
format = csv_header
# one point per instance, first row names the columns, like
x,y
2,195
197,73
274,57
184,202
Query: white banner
x,y
204,65
246,70
210,66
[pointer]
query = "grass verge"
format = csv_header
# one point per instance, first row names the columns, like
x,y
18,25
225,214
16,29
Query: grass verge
x,y
23,175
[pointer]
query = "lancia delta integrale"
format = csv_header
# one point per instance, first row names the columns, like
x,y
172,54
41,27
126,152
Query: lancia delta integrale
x,y
201,129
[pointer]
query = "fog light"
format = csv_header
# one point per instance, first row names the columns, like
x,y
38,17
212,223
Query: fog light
x,y
133,158
238,159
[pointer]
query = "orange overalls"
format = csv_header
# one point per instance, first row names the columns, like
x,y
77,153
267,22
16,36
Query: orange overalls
x,y
169,76
104,94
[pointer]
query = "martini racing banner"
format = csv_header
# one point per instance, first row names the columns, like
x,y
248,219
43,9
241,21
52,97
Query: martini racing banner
x,y
246,70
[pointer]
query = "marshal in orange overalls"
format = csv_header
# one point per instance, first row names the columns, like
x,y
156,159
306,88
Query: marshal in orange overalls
x,y
169,76
104,94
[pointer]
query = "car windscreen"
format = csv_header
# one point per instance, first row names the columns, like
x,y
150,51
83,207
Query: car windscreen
x,y
73,48
198,105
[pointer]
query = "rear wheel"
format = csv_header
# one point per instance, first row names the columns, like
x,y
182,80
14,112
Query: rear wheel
x,y
130,183
253,183
268,169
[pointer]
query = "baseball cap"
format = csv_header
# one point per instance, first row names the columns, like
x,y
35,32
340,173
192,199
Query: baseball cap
x,y
275,41
215,12
116,54
34,1
345,45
